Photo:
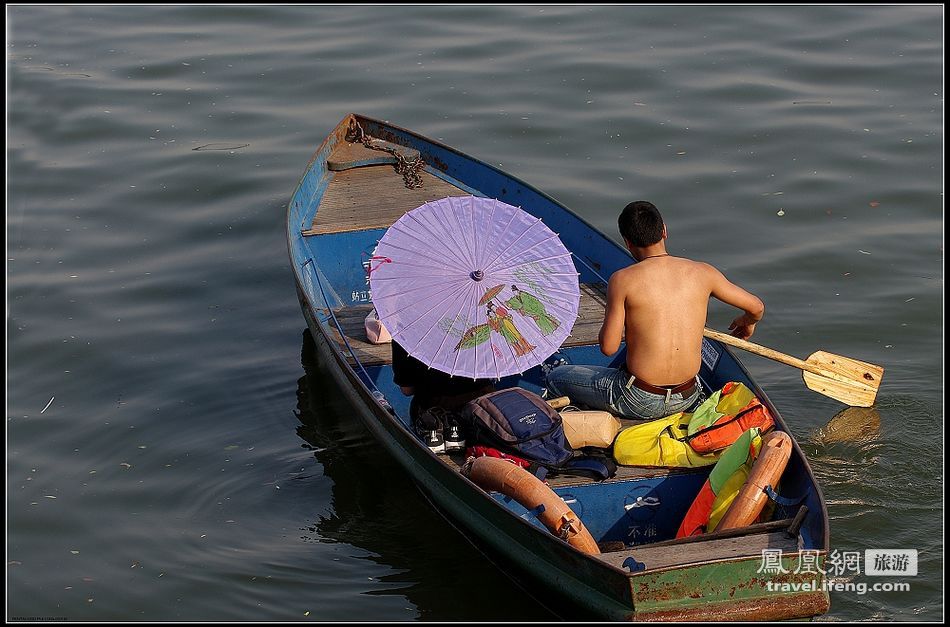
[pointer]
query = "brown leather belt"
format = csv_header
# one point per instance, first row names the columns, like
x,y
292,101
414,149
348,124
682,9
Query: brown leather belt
x,y
685,388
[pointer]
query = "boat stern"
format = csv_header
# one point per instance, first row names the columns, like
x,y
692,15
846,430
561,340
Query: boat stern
x,y
773,587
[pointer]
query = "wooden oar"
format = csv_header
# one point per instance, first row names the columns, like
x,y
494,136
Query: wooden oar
x,y
850,381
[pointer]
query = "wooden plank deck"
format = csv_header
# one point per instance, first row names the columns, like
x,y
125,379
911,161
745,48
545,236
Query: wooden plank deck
x,y
371,197
590,316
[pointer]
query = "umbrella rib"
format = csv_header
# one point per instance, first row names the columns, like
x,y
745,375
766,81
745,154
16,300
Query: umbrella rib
x,y
494,235
489,231
402,330
463,297
431,271
464,245
512,244
527,262
425,245
477,256
552,236
436,238
436,260
447,285
432,328
449,289
494,355
471,299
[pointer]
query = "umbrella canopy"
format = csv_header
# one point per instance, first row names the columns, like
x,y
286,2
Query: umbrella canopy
x,y
475,287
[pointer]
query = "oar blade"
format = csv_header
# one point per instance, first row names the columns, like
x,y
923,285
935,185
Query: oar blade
x,y
856,383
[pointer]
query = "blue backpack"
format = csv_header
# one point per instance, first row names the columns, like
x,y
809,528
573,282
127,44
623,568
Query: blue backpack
x,y
522,423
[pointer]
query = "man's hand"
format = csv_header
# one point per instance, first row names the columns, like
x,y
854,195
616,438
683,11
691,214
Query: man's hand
x,y
743,327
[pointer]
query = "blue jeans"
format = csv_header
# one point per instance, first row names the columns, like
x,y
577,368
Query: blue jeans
x,y
612,389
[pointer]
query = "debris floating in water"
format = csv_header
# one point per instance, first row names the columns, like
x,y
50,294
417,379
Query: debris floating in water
x,y
48,404
780,213
221,146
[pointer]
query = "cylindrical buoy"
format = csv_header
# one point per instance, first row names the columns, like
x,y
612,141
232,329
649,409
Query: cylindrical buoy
x,y
766,471
497,475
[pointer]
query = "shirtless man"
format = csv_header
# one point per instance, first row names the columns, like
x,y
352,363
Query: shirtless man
x,y
658,305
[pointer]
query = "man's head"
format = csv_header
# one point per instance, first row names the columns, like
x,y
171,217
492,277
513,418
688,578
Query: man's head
x,y
641,224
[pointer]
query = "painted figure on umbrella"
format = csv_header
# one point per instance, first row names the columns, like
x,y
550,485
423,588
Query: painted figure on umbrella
x,y
499,321
528,305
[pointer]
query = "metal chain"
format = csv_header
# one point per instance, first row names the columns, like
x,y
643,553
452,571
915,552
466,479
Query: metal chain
x,y
409,169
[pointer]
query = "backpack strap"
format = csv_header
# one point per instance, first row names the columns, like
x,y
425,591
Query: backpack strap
x,y
539,471
586,467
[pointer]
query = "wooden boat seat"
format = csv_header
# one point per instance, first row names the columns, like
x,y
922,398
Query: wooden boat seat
x,y
585,333
624,473
356,155
679,553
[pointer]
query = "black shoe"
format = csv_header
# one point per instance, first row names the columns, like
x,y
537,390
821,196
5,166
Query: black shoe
x,y
435,442
454,440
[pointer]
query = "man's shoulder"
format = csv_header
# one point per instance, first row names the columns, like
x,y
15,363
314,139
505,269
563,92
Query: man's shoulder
x,y
684,269
623,274
705,265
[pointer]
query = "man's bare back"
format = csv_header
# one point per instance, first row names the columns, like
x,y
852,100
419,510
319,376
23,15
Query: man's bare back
x,y
659,307
664,302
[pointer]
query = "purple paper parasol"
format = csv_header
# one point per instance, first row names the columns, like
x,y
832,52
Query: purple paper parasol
x,y
475,287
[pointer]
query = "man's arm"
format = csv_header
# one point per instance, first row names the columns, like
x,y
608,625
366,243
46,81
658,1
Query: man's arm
x,y
743,326
612,330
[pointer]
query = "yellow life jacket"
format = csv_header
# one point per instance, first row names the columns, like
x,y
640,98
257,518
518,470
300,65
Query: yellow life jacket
x,y
661,443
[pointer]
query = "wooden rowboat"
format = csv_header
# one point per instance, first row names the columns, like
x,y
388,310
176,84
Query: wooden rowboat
x,y
358,184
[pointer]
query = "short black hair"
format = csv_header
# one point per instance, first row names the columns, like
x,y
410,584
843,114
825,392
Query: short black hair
x,y
641,224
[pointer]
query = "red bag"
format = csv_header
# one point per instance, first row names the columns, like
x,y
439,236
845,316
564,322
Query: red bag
x,y
486,451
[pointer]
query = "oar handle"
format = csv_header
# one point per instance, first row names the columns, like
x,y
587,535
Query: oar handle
x,y
768,352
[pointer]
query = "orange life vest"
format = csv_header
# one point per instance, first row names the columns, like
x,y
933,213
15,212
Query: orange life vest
x,y
726,415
